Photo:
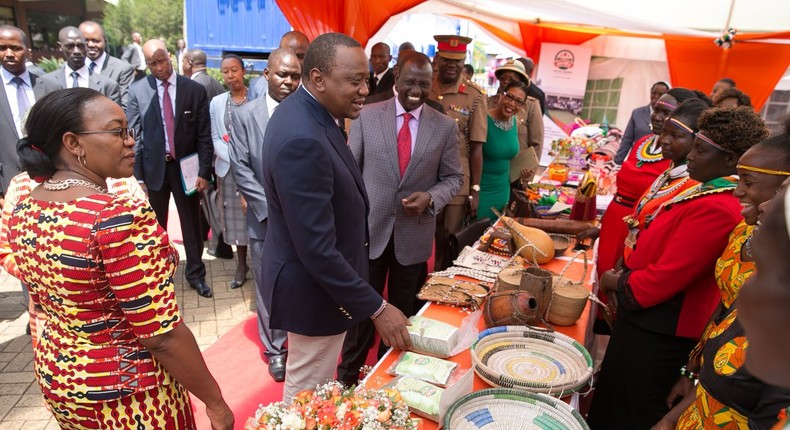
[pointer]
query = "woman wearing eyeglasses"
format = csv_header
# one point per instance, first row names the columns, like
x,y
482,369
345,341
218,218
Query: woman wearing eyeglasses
x,y
500,147
113,351
667,290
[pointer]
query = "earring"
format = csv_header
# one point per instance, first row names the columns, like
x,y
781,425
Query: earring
x,y
81,159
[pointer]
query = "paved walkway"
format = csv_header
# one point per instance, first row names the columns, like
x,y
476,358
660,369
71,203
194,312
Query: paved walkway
x,y
21,402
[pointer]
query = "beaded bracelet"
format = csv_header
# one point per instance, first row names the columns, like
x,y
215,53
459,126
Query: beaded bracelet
x,y
689,374
380,310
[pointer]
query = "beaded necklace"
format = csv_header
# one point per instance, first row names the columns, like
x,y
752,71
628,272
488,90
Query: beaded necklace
x,y
649,151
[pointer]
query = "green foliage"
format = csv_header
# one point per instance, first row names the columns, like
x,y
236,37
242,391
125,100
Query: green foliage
x,y
217,74
151,18
50,64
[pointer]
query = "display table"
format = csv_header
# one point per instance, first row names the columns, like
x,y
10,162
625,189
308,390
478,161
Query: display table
x,y
454,316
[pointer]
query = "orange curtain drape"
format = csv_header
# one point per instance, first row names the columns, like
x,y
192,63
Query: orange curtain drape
x,y
359,19
693,62
699,63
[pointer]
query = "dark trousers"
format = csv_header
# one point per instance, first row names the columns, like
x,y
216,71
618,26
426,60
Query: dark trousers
x,y
402,287
638,372
272,339
189,216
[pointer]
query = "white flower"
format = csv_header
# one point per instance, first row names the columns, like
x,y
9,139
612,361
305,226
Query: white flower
x,y
341,411
292,421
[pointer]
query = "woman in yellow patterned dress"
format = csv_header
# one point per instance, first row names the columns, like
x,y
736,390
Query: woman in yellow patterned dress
x,y
727,395
113,351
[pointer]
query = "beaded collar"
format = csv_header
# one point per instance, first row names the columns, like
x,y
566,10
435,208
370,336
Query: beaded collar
x,y
649,151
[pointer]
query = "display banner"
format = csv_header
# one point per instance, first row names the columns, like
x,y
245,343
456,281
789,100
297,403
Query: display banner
x,y
562,75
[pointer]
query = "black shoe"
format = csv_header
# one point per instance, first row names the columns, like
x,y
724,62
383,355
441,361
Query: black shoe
x,y
220,254
202,288
237,284
277,367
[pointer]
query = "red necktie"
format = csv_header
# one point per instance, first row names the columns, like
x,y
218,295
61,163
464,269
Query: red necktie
x,y
170,121
404,144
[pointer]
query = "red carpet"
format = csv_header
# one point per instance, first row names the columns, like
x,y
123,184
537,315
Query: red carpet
x,y
236,361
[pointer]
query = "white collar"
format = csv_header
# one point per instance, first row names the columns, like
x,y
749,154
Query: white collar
x,y
7,76
100,61
83,71
171,79
270,102
399,110
381,75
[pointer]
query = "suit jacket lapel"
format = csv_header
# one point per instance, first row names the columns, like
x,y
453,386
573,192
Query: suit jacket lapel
x,y
154,94
93,82
5,110
38,86
262,116
336,138
423,139
181,96
389,122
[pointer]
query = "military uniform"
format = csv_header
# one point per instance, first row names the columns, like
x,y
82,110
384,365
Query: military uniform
x,y
529,122
465,103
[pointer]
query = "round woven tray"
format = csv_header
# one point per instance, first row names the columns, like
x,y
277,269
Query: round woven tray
x,y
523,358
506,409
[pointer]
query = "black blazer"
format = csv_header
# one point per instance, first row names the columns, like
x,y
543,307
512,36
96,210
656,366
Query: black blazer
x,y
315,272
192,134
386,82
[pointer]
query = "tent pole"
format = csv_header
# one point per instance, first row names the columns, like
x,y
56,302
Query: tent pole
x,y
729,17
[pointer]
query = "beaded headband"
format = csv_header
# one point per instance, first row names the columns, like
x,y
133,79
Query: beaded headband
x,y
682,126
669,106
710,141
761,170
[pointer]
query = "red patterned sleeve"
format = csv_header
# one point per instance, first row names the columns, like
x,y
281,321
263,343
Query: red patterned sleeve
x,y
139,263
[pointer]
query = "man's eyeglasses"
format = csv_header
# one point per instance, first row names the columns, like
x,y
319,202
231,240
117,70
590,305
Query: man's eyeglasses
x,y
514,99
123,133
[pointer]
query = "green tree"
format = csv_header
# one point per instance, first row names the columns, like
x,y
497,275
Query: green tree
x,y
151,18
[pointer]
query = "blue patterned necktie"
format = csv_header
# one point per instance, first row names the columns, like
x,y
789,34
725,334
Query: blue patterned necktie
x,y
21,97
92,67
74,82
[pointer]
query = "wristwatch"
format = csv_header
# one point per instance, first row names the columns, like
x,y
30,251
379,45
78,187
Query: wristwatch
x,y
476,187
430,203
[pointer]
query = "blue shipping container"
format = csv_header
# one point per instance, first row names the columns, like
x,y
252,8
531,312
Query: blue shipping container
x,y
248,28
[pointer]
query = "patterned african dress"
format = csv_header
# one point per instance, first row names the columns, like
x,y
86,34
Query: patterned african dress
x,y
727,396
100,268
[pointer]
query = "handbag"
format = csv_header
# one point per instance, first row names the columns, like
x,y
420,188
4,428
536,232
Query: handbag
x,y
453,292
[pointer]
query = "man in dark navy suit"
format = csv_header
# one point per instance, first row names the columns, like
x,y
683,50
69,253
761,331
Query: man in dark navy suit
x,y
315,272
171,119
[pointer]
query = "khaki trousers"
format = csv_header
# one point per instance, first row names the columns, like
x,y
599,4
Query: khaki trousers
x,y
311,361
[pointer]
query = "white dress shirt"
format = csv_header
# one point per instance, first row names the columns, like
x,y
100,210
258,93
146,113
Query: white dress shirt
x,y
271,104
160,91
414,123
99,63
10,92
82,80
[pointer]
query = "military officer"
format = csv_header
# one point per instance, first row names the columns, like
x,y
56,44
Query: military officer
x,y
464,102
529,122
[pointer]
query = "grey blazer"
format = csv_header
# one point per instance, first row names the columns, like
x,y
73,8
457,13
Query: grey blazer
x,y
213,88
131,56
637,128
98,82
121,72
434,166
9,161
246,163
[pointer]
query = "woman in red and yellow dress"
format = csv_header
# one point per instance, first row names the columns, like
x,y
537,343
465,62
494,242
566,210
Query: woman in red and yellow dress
x,y
639,170
765,298
727,395
113,350
667,291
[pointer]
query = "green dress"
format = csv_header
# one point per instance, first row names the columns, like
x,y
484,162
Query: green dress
x,y
500,147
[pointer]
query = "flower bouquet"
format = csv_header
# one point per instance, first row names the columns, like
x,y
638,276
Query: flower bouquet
x,y
331,406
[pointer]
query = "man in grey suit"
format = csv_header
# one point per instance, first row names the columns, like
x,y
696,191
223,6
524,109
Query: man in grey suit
x,y
19,92
75,72
133,54
639,124
411,167
99,61
196,62
283,74
297,42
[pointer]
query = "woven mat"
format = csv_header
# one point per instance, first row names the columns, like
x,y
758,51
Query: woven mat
x,y
532,360
506,409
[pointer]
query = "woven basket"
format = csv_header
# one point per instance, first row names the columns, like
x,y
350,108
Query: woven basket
x,y
506,409
530,359
569,297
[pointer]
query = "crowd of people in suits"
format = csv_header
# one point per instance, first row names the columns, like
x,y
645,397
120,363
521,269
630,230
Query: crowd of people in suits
x,y
340,174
